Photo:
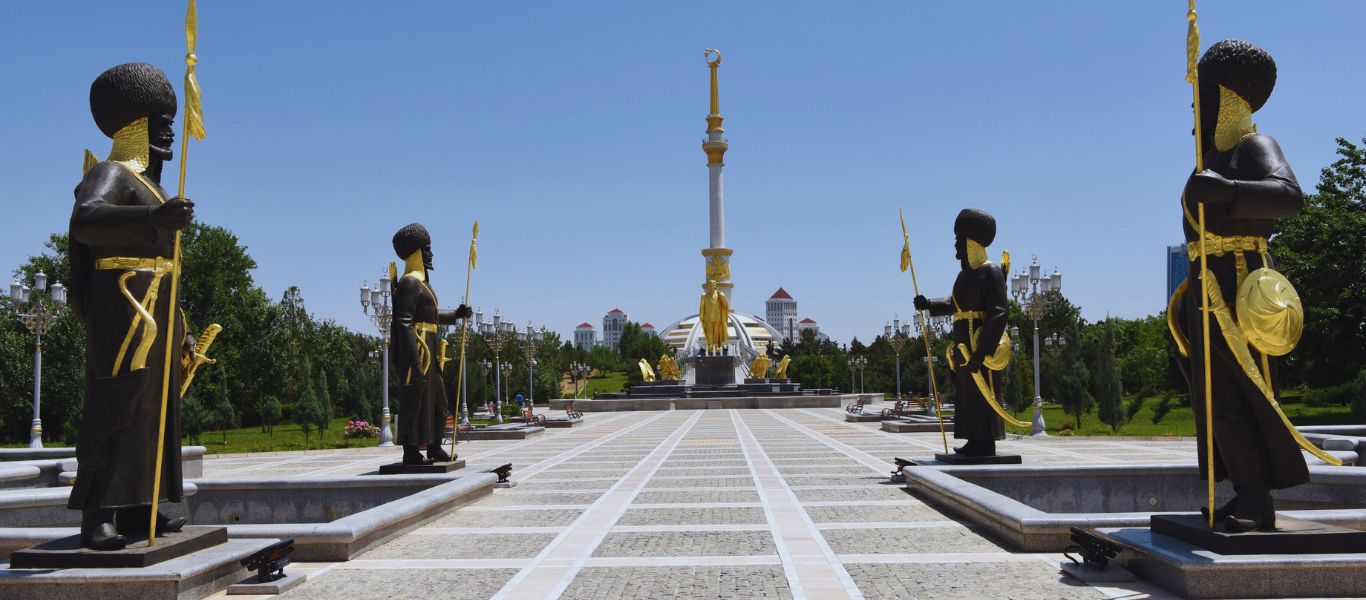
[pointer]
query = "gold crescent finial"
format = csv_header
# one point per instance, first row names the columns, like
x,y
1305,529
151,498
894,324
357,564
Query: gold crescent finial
x,y
707,53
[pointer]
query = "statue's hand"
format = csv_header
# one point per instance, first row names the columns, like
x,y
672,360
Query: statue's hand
x,y
464,312
921,303
975,363
175,214
1210,187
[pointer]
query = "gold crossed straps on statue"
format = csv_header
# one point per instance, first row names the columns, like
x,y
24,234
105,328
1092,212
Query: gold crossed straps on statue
x,y
142,309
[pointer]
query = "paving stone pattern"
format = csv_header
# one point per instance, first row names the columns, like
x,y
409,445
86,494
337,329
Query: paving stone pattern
x,y
560,533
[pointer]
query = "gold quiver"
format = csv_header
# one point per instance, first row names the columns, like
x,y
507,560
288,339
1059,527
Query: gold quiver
x,y
1269,312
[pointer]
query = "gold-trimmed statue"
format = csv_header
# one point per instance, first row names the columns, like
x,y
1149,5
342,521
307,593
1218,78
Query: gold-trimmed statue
x,y
781,371
668,368
759,368
646,373
714,313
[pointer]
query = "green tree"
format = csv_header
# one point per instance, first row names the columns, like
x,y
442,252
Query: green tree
x,y
194,418
323,417
271,413
307,410
1110,396
1359,396
1322,250
1074,384
603,359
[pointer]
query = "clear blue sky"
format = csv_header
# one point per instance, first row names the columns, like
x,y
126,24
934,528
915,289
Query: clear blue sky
x,y
572,132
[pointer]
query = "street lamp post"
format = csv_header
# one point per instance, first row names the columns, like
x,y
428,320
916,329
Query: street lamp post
x,y
375,303
1036,292
496,336
899,336
38,320
531,338
857,363
577,371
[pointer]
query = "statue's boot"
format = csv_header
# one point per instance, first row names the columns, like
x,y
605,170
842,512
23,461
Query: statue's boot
x,y
98,531
1255,510
436,454
134,521
1222,512
967,449
413,456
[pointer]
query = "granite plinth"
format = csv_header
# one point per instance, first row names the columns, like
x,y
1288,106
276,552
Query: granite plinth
x,y
959,459
514,431
251,587
862,418
714,370
919,426
188,577
1292,536
1193,572
562,423
67,553
399,468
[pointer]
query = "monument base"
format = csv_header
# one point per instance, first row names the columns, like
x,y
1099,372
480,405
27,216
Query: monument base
x,y
67,553
959,459
562,423
510,431
195,575
251,587
1193,572
917,426
399,468
1292,536
860,418
714,370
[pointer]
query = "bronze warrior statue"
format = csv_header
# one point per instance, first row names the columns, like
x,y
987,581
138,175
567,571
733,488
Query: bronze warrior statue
x,y
979,309
1246,185
121,240
422,407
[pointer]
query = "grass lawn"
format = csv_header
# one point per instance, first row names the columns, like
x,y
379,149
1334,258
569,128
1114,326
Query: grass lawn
x,y
612,381
1179,422
286,437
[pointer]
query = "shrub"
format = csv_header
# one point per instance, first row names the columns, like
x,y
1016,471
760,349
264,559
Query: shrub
x,y
1337,395
1359,396
1164,406
360,429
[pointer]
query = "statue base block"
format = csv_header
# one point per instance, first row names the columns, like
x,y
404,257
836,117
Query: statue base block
x,y
67,553
714,370
399,468
959,459
506,431
562,423
919,426
1292,536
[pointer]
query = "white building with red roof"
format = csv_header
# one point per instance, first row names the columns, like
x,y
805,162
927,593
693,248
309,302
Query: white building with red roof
x,y
612,325
781,312
585,337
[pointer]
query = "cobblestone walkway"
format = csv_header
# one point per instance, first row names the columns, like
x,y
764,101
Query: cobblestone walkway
x,y
701,504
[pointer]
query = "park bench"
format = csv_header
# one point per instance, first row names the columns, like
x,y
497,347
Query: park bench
x,y
856,408
901,407
570,413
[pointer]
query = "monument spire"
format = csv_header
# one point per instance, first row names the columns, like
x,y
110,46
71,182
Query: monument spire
x,y
716,254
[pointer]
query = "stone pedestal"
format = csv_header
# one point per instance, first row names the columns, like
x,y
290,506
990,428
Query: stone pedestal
x,y
399,468
67,553
959,459
1292,536
189,577
1193,572
918,426
510,431
714,370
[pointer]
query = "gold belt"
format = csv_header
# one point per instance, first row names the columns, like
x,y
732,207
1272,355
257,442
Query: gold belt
x,y
142,309
1218,245
424,327
964,315
125,263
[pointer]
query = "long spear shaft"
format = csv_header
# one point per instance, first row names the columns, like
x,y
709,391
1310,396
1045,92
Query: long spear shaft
x,y
193,126
464,336
1193,77
929,354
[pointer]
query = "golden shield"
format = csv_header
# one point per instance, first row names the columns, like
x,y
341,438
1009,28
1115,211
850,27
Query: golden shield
x,y
1269,312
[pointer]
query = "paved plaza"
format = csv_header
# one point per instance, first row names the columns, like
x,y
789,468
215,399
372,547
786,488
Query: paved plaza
x,y
740,504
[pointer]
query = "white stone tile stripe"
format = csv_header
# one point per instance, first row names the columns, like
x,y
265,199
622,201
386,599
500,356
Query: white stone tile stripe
x,y
565,456
551,571
880,465
811,567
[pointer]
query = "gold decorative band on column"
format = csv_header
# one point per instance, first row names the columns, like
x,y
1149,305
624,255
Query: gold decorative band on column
x,y
717,252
